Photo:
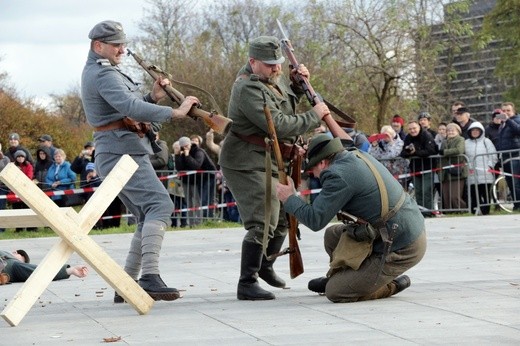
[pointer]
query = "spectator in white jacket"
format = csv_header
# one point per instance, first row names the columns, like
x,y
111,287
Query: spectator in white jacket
x,y
482,158
386,147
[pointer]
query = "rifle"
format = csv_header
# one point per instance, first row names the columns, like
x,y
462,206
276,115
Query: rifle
x,y
295,256
217,122
335,126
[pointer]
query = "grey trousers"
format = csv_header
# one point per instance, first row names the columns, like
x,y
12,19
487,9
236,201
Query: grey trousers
x,y
349,285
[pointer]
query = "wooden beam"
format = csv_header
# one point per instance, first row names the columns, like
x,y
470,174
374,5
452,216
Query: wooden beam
x,y
73,229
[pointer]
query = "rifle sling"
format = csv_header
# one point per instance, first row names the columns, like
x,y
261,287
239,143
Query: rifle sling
x,y
350,122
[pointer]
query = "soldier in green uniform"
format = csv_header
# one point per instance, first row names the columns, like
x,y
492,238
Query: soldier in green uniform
x,y
350,185
242,157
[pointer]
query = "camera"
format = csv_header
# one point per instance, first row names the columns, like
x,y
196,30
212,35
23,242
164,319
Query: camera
x,y
410,147
501,116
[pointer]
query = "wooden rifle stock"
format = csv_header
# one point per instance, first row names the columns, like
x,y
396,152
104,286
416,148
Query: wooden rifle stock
x,y
295,256
217,122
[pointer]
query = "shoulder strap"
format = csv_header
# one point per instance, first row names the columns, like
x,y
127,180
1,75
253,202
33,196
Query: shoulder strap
x,y
385,213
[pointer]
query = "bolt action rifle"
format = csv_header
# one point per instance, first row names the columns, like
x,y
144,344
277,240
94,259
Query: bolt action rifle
x,y
335,127
295,256
217,122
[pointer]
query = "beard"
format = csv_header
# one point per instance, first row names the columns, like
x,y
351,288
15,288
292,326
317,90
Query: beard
x,y
275,77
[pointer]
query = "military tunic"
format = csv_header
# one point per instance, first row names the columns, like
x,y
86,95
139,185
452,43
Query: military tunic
x,y
348,184
109,95
243,163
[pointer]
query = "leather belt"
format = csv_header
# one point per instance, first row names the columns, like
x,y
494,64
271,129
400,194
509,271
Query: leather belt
x,y
114,125
289,151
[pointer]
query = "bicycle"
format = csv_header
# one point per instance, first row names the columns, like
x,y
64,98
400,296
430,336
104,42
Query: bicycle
x,y
501,193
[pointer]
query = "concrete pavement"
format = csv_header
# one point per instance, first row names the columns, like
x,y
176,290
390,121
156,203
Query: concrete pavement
x,y
465,291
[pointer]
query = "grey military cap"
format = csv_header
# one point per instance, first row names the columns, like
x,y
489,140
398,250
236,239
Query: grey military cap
x,y
108,31
266,49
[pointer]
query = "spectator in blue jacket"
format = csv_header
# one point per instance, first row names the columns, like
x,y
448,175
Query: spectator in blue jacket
x,y
60,176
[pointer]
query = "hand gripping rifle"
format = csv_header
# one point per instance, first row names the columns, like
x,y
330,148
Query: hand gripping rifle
x,y
217,122
295,256
334,126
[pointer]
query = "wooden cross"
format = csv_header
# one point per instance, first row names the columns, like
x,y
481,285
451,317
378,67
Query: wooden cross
x,y
73,229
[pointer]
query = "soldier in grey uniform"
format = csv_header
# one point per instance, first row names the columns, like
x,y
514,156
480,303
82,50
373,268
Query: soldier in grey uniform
x,y
108,96
242,157
349,185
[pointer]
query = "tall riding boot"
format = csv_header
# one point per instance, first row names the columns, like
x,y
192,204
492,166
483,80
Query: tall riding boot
x,y
397,285
248,287
266,271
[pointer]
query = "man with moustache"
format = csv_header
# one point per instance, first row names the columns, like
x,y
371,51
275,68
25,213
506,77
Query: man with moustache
x,y
242,157
108,97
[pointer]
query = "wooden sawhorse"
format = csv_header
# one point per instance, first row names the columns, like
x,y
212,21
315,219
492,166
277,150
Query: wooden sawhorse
x,y
73,229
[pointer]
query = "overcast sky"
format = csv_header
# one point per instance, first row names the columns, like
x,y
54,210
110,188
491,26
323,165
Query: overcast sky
x,y
44,43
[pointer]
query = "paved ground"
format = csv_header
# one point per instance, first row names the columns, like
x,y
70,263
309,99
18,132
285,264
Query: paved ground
x,y
465,291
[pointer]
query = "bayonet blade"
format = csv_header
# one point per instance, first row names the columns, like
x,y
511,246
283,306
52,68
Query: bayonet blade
x,y
280,26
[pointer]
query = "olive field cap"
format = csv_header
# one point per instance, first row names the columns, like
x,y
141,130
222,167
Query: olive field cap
x,y
45,138
266,49
108,31
321,147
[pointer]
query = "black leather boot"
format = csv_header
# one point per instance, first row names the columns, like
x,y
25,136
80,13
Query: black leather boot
x,y
156,288
248,287
318,285
401,283
266,271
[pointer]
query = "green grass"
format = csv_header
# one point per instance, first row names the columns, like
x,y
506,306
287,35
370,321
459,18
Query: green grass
x,y
124,228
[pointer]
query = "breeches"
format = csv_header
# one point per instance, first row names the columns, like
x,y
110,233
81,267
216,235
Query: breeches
x,y
349,285
248,188
144,194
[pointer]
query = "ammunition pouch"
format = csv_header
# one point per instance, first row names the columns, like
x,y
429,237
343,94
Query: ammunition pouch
x,y
361,232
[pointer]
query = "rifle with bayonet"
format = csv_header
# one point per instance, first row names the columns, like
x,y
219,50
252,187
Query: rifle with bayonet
x,y
217,122
295,256
314,98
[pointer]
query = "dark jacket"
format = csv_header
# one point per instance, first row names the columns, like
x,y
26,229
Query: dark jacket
x,y
425,146
509,136
492,132
42,166
198,160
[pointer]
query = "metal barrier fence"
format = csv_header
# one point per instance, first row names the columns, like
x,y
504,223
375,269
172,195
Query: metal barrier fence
x,y
199,196
458,184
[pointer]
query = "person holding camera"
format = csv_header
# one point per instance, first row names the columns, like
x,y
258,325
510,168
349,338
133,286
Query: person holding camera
x,y
349,180
419,145
79,165
509,140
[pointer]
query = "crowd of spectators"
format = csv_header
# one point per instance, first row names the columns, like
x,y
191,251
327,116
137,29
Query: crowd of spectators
x,y
450,166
